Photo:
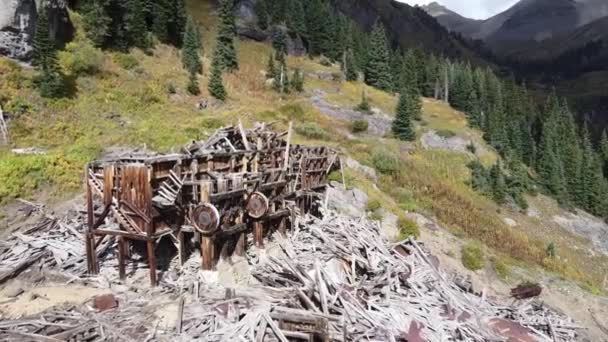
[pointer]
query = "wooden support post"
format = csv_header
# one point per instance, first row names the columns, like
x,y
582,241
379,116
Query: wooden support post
x,y
258,234
208,252
181,248
239,249
207,243
286,156
283,226
121,258
93,267
152,260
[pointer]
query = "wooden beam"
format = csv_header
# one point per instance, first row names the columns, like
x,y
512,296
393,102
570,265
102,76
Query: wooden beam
x,y
208,252
258,234
151,244
287,148
121,258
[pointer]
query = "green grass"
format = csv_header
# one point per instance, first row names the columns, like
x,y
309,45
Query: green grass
x,y
473,257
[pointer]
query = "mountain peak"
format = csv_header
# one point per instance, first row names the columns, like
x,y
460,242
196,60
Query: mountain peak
x,y
436,9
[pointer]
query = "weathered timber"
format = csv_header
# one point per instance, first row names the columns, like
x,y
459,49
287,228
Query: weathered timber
x,y
239,181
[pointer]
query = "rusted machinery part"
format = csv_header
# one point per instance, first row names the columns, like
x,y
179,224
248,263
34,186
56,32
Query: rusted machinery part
x,y
257,205
205,218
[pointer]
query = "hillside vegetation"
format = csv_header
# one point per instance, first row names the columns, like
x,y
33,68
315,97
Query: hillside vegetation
x,y
138,100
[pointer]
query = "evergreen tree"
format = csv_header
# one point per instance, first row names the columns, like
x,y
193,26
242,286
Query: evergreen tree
x,y
570,152
364,105
297,81
193,87
44,47
604,152
135,20
377,71
191,60
549,165
403,127
349,67
319,20
592,196
50,81
408,75
279,43
497,181
160,20
271,70
177,19
261,11
281,79
225,52
296,17
216,85
96,22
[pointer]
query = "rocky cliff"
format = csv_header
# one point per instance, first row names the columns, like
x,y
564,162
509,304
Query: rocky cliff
x,y
18,24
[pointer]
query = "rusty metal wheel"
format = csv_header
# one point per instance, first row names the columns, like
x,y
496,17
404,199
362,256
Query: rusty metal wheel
x,y
257,206
206,218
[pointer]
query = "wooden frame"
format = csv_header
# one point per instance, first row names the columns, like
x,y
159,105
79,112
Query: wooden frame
x,y
206,190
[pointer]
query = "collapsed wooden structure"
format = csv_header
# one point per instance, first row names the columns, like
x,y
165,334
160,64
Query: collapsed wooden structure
x,y
213,192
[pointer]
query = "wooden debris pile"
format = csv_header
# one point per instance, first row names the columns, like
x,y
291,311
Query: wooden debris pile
x,y
331,279
54,242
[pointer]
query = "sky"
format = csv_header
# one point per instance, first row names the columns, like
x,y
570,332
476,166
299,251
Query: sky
x,y
477,9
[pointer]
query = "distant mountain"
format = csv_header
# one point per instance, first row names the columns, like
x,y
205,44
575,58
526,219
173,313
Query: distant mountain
x,y
527,20
453,21
407,26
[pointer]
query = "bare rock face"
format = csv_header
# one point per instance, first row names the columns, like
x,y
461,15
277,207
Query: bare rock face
x,y
18,24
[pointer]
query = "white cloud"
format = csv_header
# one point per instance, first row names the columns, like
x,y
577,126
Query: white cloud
x,y
478,9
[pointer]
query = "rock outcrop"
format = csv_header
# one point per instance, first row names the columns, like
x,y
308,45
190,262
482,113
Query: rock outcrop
x,y
247,27
18,24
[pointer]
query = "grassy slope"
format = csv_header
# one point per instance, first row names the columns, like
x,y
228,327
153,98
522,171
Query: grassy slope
x,y
119,107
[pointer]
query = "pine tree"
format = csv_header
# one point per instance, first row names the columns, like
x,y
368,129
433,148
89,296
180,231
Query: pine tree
x,y
50,81
364,106
296,17
193,87
297,81
570,151
191,60
377,71
177,21
261,11
279,43
549,165
349,67
408,73
271,69
225,52
403,127
136,27
160,20
43,46
604,152
319,19
281,79
96,22
592,195
216,85
497,181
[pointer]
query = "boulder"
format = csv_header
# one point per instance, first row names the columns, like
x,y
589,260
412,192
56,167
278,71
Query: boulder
x,y
369,172
349,202
18,25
